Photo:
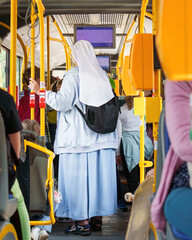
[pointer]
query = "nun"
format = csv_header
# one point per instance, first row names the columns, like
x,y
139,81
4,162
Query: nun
x,y
87,165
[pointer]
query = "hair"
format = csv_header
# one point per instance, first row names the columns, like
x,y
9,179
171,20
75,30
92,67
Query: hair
x,y
31,125
52,79
27,75
54,86
129,101
59,82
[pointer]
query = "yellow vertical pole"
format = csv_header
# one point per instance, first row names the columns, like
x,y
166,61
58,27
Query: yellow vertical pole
x,y
157,93
48,54
142,117
69,60
142,16
66,58
33,18
142,142
13,49
42,79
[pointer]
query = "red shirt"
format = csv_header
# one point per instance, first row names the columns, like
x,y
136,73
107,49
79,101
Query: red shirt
x,y
24,109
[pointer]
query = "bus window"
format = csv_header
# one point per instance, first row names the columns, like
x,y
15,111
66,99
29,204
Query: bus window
x,y
18,73
3,67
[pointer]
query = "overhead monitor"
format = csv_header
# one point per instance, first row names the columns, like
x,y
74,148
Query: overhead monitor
x,y
104,62
100,36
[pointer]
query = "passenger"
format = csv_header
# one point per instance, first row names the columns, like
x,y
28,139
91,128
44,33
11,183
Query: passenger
x,y
174,195
129,131
87,169
24,106
13,126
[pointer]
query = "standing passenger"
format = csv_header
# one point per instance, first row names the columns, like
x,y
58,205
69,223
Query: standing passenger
x,y
87,169
129,130
20,218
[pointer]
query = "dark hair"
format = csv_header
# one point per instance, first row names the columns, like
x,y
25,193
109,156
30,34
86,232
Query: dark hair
x,y
129,101
54,86
27,75
52,79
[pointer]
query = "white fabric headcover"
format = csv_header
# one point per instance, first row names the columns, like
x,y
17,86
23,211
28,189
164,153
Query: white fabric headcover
x,y
95,88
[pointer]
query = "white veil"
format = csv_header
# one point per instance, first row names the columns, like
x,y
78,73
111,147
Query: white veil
x,y
95,88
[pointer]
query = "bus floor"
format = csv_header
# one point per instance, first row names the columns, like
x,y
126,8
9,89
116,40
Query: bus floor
x,y
114,228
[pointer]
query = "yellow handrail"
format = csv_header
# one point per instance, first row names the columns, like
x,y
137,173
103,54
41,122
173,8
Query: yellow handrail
x,y
13,49
149,15
142,16
41,10
33,18
121,55
21,42
157,93
67,55
8,230
142,119
154,7
49,182
151,226
48,55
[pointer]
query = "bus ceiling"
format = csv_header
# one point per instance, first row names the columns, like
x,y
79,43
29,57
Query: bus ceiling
x,y
119,13
81,6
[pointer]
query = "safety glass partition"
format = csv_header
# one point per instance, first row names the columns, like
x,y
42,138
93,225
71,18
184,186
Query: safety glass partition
x,y
18,72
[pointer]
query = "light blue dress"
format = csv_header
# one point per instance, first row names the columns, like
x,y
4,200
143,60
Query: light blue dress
x,y
87,166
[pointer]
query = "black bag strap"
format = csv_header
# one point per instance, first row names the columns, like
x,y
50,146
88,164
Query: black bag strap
x,y
81,112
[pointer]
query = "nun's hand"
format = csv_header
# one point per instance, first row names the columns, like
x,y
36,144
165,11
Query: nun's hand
x,y
34,86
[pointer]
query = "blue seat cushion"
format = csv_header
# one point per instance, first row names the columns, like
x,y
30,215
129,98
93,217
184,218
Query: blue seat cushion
x,y
179,234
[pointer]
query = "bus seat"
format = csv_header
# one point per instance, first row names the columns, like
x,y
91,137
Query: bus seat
x,y
128,87
41,181
160,147
7,206
174,44
141,62
38,176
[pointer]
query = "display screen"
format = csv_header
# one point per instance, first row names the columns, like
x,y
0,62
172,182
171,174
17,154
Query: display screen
x,y
98,36
104,62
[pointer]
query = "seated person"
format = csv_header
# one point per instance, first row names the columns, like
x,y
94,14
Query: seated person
x,y
174,195
12,123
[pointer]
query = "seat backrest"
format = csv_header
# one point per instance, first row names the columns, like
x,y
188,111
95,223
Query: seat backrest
x,y
161,152
3,172
38,176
